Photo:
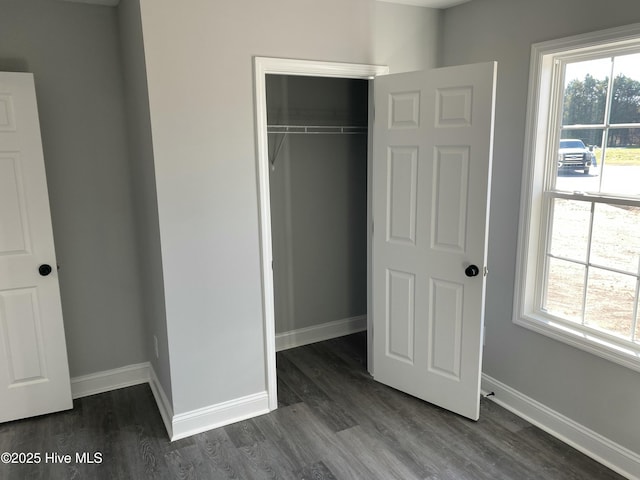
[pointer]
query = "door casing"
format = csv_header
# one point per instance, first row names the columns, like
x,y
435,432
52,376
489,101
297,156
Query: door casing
x,y
282,66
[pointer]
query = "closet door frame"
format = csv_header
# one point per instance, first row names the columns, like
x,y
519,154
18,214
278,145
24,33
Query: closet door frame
x,y
283,66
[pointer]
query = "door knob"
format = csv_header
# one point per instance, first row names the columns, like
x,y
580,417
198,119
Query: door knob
x,y
472,271
45,269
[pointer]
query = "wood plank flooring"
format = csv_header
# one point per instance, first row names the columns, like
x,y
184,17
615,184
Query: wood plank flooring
x,y
334,422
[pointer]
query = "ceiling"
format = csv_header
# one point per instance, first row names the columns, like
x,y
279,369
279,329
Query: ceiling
x,y
428,3
107,3
419,3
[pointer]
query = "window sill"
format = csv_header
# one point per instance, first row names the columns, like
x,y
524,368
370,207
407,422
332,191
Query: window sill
x,y
588,342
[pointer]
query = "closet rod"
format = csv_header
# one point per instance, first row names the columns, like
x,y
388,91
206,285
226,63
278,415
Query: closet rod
x,y
316,129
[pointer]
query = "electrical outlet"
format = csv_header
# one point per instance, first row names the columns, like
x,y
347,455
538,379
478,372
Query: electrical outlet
x,y
155,345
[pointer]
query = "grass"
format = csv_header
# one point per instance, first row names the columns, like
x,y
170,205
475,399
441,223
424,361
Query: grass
x,y
620,156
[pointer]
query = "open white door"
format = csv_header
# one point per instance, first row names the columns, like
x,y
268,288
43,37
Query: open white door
x,y
433,136
34,373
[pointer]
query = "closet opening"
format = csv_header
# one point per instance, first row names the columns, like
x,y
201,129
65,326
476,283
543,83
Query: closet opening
x,y
317,136
299,114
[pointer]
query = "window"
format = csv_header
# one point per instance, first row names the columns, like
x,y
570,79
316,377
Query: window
x,y
579,247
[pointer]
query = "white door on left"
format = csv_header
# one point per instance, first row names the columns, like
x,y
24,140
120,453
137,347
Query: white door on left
x,y
34,373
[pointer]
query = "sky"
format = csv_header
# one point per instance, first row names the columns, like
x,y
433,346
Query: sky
x,y
628,65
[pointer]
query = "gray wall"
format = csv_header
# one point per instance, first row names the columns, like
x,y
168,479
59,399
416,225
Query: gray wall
x,y
594,392
200,77
318,201
144,189
73,53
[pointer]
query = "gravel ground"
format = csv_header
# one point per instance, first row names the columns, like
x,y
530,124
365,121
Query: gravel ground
x,y
610,295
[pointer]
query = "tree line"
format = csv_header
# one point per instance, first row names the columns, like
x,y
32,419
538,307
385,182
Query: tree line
x,y
584,104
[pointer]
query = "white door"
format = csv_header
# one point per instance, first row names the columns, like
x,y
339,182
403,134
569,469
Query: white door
x,y
34,374
433,135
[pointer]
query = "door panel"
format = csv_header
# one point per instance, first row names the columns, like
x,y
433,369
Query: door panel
x,y
401,203
34,373
431,170
451,189
445,325
13,236
21,328
400,318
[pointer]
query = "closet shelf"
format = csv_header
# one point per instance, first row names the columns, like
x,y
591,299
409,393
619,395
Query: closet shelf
x,y
317,129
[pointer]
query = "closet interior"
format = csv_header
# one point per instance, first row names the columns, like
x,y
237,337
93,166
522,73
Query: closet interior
x,y
317,138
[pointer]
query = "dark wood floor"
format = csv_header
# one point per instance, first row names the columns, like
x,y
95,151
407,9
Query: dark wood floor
x,y
334,422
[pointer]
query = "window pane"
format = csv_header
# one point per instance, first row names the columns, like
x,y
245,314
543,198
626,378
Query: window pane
x,y
585,92
625,104
564,289
570,231
610,301
616,237
621,170
579,159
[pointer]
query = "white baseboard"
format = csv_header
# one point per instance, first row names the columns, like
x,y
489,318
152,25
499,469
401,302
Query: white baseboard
x,y
592,444
177,426
318,333
197,421
219,415
164,405
108,380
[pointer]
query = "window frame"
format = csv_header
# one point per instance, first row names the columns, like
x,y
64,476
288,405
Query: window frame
x,y
543,102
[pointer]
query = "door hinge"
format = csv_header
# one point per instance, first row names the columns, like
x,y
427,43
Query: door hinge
x,y
485,271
